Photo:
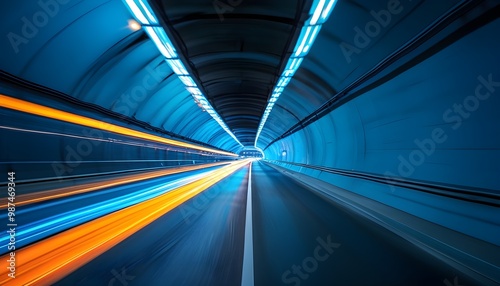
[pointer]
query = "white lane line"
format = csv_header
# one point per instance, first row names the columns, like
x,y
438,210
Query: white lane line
x,y
247,278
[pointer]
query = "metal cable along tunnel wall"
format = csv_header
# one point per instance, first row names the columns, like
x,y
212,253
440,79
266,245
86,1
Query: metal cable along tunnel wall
x,y
396,101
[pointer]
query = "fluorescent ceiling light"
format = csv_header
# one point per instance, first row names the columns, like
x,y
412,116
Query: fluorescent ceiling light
x,y
143,13
196,92
328,10
303,40
148,10
159,44
187,80
165,41
279,89
136,12
313,35
177,66
319,13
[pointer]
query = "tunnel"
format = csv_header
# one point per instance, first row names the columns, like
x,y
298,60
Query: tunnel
x,y
250,142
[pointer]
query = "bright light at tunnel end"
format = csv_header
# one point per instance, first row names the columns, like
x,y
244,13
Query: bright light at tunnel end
x,y
145,16
319,13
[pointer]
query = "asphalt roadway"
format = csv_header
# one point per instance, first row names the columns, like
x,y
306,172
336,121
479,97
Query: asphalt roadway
x,y
299,238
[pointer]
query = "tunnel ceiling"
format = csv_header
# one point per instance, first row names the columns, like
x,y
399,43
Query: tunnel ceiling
x,y
235,51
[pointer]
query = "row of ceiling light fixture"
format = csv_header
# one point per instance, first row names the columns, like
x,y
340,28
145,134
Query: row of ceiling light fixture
x,y
143,13
319,13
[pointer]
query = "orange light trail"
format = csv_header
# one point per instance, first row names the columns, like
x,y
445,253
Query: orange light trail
x,y
37,197
37,109
49,260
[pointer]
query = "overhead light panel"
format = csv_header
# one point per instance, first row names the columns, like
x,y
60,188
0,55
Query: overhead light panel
x,y
148,11
188,81
138,13
142,12
327,11
196,92
319,13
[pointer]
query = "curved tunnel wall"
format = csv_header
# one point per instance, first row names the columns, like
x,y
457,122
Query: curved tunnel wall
x,y
396,124
87,50
449,99
53,149
431,117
